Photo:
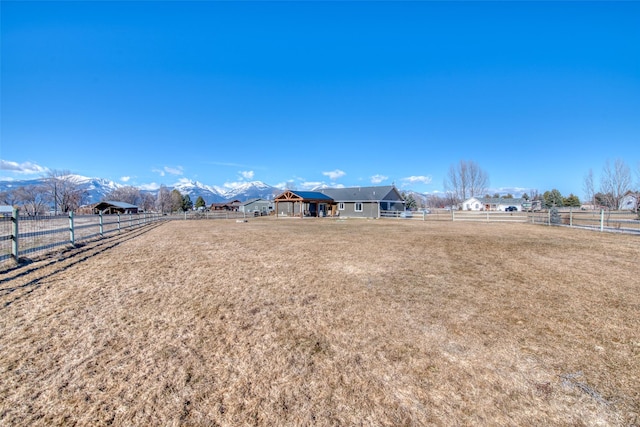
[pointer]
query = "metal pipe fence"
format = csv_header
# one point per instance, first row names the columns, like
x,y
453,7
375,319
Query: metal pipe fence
x,y
22,235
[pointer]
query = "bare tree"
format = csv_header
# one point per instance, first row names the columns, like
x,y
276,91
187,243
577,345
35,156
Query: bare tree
x,y
8,197
148,202
163,201
127,194
589,188
176,200
615,182
66,194
466,179
34,199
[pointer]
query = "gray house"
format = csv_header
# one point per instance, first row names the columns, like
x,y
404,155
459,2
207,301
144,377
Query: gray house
x,y
364,202
259,206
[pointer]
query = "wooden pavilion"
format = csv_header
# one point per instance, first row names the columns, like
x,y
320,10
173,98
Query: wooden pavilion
x,y
303,203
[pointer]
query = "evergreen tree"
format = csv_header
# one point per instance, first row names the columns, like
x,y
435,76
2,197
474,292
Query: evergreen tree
x,y
200,203
553,198
572,200
187,204
409,201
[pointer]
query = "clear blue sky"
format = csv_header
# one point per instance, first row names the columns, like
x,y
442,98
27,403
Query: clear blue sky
x,y
341,93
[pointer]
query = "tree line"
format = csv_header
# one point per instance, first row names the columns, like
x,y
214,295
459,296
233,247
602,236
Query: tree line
x,y
467,179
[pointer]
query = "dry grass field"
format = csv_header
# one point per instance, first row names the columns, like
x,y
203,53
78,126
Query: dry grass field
x,y
326,322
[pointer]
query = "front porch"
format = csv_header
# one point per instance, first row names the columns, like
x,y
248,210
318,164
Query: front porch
x,y
304,204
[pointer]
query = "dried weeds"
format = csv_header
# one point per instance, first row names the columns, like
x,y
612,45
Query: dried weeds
x,y
325,322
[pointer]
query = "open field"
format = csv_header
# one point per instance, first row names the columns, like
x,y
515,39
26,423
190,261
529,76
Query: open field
x,y
326,322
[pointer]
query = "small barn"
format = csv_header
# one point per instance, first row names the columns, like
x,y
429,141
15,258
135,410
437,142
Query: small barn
x,y
113,207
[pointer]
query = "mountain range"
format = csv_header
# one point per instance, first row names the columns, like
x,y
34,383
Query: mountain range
x,y
98,189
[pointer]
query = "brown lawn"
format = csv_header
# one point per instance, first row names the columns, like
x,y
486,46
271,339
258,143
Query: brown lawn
x,y
326,322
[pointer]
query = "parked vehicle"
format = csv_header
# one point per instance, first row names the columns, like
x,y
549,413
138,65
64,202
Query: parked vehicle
x,y
511,209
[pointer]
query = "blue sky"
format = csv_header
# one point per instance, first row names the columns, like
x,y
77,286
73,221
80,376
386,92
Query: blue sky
x,y
306,93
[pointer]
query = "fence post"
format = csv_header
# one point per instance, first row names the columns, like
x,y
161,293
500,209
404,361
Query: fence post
x,y
72,231
549,217
601,219
453,215
14,234
101,225
118,213
570,216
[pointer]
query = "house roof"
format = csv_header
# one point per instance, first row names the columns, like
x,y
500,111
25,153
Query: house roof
x,y
363,194
259,199
121,205
290,195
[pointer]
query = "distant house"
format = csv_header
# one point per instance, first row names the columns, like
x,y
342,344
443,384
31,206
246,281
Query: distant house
x,y
491,203
629,202
365,202
230,206
113,207
303,203
6,210
260,206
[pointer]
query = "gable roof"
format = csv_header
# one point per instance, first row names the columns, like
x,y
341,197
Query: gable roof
x,y
290,195
363,194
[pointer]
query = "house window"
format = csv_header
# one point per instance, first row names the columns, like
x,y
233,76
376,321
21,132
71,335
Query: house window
x,y
341,206
358,207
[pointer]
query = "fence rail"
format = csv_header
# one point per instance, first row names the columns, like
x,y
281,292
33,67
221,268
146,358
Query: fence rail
x,y
600,220
613,221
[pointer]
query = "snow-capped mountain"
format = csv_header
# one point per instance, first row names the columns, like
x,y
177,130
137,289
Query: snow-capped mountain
x,y
197,189
252,190
97,189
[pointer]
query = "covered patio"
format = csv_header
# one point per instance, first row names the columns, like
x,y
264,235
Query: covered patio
x,y
303,204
